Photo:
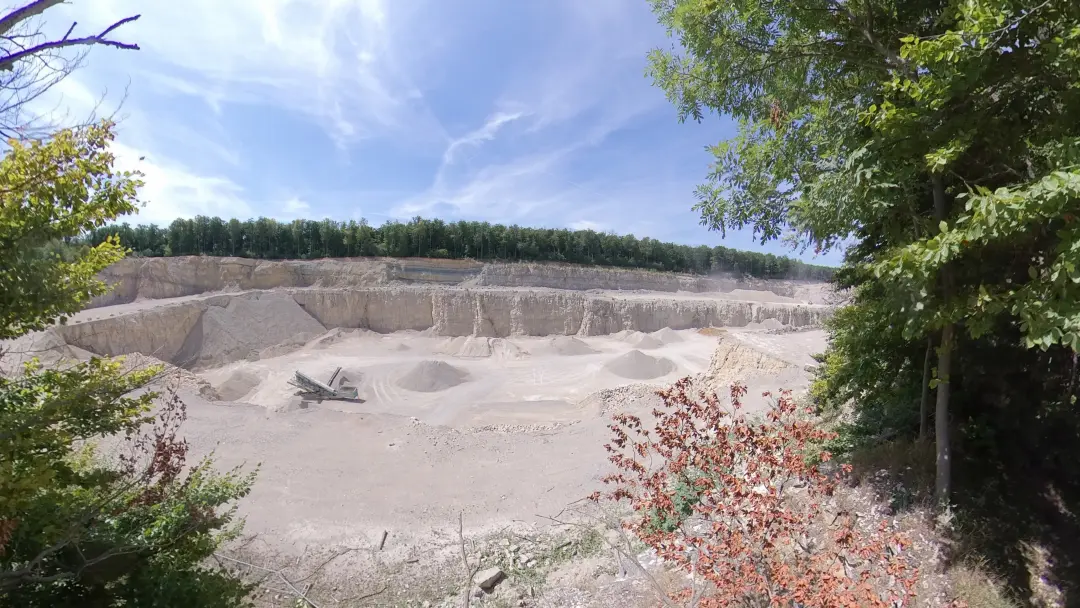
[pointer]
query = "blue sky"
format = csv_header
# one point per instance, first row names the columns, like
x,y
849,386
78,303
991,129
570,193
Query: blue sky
x,y
534,112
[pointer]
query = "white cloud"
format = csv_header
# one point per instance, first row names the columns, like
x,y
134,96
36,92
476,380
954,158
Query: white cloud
x,y
171,191
585,87
598,49
337,61
295,207
586,225
504,190
369,68
478,136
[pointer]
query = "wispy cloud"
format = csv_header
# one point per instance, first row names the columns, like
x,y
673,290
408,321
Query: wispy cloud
x,y
569,99
478,136
171,190
536,113
586,225
336,61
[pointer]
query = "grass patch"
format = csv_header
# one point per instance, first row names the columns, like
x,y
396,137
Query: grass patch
x,y
971,584
910,468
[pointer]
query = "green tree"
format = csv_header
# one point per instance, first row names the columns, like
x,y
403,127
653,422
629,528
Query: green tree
x,y
305,239
75,529
939,139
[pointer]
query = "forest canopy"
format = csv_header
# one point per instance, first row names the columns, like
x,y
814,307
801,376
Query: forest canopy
x,y
266,238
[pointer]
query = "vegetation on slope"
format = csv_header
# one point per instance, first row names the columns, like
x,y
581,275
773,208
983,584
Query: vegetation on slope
x,y
941,138
305,239
78,528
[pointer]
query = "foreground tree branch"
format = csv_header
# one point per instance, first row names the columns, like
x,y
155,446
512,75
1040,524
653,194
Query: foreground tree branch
x,y
7,62
31,63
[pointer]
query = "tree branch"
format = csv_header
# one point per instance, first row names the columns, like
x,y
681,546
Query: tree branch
x,y
21,14
7,62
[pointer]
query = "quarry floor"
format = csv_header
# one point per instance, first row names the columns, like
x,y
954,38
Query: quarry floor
x,y
501,432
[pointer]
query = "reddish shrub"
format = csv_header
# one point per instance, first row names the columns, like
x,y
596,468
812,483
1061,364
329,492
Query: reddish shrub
x,y
737,503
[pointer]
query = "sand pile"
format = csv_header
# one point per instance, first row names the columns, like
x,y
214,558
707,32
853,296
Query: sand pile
x,y
338,335
505,349
570,346
766,324
240,383
171,377
244,328
478,346
642,397
432,376
466,346
637,365
47,346
667,336
638,339
736,361
53,353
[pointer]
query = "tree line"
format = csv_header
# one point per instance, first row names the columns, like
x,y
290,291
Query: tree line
x,y
267,238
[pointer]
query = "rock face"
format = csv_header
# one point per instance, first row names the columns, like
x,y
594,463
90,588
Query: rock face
x,y
156,278
166,330
171,331
734,360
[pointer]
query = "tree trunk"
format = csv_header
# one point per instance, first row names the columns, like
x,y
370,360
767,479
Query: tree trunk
x,y
924,403
943,484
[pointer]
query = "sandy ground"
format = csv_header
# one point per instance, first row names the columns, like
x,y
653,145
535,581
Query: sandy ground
x,y
437,430
466,381
503,431
503,436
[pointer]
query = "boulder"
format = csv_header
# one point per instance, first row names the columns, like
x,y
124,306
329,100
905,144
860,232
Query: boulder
x,y
488,579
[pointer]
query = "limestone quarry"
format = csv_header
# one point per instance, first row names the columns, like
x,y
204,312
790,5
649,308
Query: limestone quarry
x,y
483,390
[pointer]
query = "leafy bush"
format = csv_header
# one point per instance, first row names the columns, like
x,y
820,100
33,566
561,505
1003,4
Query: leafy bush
x,y
77,529
763,527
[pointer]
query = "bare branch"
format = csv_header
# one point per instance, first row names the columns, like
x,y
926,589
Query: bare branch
x,y
31,63
23,13
470,571
8,62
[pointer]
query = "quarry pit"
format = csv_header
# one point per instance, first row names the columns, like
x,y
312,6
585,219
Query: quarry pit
x,y
483,390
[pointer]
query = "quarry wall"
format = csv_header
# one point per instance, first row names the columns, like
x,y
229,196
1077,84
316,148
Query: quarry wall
x,y
173,331
157,278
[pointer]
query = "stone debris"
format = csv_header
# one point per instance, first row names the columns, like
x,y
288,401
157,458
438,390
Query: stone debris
x,y
488,579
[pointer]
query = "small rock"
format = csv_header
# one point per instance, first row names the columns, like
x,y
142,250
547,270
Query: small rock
x,y
426,604
531,563
489,578
514,548
478,593
505,542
